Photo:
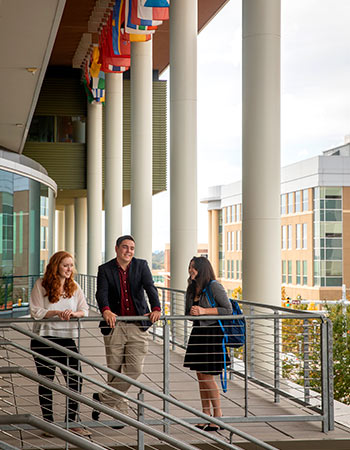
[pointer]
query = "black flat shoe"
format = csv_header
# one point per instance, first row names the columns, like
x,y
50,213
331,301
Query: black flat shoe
x,y
95,414
201,426
209,427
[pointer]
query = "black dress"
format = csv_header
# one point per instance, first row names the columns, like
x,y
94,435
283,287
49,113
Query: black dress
x,y
205,353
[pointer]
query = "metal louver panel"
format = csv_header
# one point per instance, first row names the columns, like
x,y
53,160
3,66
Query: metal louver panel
x,y
64,162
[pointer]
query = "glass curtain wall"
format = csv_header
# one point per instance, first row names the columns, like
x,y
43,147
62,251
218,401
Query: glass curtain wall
x,y
24,212
328,236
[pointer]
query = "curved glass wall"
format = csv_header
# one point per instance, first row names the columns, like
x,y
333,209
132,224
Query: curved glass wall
x,y
25,209
328,236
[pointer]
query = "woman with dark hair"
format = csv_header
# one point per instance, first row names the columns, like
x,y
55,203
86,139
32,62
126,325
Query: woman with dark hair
x,y
58,295
204,352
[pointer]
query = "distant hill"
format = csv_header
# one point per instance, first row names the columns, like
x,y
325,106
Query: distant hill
x,y
158,260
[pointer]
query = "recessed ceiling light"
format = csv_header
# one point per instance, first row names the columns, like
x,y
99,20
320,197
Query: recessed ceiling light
x,y
31,70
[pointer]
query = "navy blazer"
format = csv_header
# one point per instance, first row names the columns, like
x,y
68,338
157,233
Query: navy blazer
x,y
140,280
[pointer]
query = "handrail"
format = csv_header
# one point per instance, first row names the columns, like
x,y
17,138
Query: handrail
x,y
141,386
19,419
82,399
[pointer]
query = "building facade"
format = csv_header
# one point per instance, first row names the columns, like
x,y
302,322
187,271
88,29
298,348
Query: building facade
x,y
315,234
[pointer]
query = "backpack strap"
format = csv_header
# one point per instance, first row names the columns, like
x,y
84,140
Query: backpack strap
x,y
210,297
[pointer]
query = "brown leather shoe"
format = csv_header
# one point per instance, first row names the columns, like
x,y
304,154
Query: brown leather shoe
x,y
81,431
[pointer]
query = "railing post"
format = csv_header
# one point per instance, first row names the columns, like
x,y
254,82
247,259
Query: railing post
x,y
330,375
251,344
141,419
166,371
276,353
173,327
6,294
163,301
324,376
245,356
306,358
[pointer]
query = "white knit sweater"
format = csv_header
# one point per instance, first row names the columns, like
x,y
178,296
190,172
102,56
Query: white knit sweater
x,y
40,305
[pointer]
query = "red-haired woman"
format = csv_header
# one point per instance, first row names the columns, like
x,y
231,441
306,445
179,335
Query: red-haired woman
x,y
57,295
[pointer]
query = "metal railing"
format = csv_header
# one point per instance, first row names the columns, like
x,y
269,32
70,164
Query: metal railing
x,y
285,368
159,414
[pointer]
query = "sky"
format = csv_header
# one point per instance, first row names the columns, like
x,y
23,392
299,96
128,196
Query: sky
x,y
315,96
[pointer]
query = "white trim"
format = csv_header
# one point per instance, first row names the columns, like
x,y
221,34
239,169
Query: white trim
x,y
20,169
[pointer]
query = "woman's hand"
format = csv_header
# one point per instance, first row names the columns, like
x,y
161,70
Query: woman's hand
x,y
197,311
66,314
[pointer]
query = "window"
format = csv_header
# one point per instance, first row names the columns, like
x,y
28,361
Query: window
x,y
43,238
42,129
237,241
232,269
232,241
298,201
228,269
305,200
284,204
228,243
68,129
44,206
298,271
298,236
237,213
289,237
290,202
290,273
304,272
237,270
304,242
284,271
284,237
328,232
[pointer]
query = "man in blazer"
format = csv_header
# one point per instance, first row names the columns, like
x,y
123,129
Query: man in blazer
x,y
121,283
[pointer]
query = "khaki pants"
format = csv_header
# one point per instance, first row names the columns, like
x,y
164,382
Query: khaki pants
x,y
126,348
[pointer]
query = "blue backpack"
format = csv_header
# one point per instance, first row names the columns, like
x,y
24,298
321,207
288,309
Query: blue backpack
x,y
234,330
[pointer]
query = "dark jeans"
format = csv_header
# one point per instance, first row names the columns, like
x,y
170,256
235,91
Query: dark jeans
x,y
48,370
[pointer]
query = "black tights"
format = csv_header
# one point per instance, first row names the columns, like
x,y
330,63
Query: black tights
x,y
48,370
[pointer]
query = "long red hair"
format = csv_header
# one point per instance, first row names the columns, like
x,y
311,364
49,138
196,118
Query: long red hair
x,y
52,282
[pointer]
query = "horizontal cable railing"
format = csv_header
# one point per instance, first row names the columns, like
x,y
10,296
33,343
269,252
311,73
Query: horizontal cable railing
x,y
283,373
148,404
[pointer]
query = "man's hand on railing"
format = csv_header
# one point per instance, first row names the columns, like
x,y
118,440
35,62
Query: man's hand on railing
x,y
109,317
154,316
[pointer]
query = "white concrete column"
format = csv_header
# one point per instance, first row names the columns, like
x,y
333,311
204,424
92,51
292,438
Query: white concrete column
x,y
261,151
183,139
94,186
80,236
113,161
141,148
69,228
60,230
